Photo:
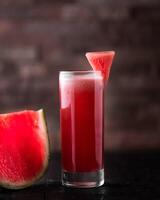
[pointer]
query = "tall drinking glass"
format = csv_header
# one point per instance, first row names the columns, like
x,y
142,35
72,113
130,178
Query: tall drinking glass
x,y
82,130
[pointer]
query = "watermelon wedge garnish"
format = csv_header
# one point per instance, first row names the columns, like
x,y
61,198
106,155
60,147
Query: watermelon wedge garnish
x,y
101,61
24,148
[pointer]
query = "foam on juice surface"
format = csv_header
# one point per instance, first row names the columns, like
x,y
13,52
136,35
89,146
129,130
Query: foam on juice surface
x,y
69,86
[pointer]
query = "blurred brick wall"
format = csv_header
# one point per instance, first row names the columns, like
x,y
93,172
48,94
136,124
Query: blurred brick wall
x,y
38,38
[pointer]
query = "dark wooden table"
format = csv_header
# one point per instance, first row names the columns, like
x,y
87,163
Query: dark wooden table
x,y
129,175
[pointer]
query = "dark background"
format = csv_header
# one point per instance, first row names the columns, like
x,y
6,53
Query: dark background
x,y
38,38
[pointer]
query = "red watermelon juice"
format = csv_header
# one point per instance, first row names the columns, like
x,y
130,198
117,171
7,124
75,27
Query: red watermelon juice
x,y
81,124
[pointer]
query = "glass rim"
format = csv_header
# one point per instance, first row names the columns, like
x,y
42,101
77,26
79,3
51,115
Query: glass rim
x,y
79,73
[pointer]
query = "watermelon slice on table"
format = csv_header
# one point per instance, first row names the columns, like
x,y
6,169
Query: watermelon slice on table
x,y
24,148
101,61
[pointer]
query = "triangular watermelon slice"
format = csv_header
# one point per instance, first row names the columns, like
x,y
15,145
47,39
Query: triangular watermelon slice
x,y
101,61
24,148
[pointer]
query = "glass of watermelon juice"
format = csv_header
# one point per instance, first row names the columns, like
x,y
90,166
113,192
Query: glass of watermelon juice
x,y
82,128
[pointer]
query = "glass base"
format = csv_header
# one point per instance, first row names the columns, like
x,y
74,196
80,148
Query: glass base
x,y
83,179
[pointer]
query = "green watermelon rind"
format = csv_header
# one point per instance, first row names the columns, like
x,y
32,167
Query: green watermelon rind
x,y
25,184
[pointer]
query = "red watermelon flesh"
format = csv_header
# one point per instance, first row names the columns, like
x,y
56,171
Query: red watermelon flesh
x,y
101,61
24,148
